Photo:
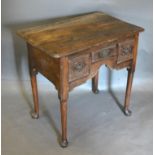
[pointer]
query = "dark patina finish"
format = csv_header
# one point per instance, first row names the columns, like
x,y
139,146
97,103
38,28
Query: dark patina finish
x,y
71,50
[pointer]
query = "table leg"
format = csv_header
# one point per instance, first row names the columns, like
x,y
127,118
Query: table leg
x,y
35,113
63,110
63,97
127,112
95,83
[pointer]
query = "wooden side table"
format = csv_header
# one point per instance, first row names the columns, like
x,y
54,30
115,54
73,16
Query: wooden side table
x,y
71,50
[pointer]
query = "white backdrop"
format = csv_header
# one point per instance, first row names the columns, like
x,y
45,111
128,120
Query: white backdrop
x,y
18,14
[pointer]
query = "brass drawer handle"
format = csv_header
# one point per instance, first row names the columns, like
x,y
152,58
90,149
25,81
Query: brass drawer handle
x,y
78,67
127,50
104,53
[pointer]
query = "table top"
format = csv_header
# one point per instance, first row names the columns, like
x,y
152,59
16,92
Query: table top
x,y
73,34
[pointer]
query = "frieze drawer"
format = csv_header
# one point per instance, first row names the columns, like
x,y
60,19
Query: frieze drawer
x,y
104,53
79,66
125,50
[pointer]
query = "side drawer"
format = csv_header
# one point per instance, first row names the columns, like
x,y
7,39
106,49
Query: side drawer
x,y
79,66
125,50
104,53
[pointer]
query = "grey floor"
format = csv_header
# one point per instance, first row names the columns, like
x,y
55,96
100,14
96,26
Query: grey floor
x,y
96,125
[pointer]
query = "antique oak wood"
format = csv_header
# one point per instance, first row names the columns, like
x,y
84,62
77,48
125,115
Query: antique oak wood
x,y
71,50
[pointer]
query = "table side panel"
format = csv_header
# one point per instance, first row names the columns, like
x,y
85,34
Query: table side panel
x,y
45,64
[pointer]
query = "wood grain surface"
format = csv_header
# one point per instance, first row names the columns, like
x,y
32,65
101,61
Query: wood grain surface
x,y
70,51
77,33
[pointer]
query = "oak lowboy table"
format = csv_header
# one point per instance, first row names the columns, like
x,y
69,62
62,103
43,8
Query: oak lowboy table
x,y
71,50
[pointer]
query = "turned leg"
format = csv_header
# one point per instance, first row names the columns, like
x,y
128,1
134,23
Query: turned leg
x,y
35,113
63,96
63,110
95,84
127,112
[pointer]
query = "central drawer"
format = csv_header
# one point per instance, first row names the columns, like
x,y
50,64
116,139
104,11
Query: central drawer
x,y
108,52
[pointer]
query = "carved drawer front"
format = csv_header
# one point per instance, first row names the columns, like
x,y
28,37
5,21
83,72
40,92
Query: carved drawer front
x,y
79,66
104,53
125,50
